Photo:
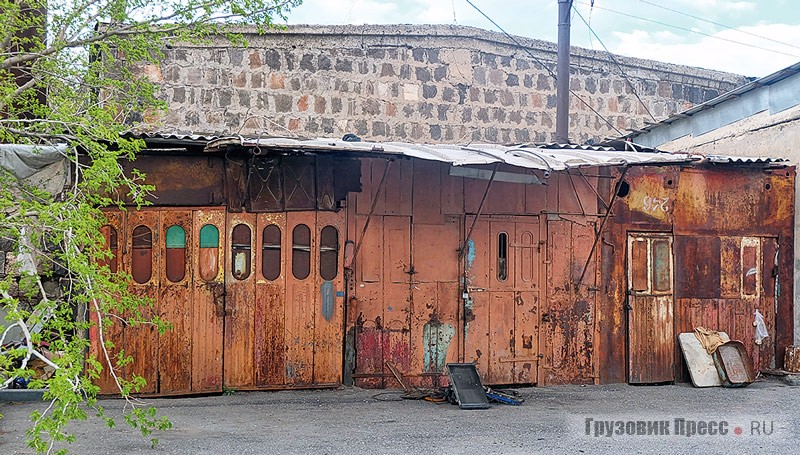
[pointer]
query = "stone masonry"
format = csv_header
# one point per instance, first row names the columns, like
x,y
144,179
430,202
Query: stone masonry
x,y
443,84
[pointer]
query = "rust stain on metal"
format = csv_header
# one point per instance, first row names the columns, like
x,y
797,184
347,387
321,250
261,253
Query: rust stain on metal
x,y
181,180
651,340
651,196
208,299
538,296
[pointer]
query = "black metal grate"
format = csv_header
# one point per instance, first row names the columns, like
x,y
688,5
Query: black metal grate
x,y
467,386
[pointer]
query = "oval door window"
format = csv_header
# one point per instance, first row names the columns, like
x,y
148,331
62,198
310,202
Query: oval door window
x,y
110,236
240,251
208,259
502,257
301,251
176,253
271,252
142,260
328,253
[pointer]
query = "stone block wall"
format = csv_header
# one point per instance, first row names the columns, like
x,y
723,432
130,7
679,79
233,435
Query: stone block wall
x,y
443,84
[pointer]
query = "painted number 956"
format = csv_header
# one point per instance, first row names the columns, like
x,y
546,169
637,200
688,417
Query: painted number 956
x,y
655,204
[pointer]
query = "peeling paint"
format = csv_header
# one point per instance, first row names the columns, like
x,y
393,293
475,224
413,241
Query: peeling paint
x,y
326,291
469,315
298,372
436,337
471,254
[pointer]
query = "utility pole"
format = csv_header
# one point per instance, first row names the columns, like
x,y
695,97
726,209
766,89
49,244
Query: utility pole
x,y
562,72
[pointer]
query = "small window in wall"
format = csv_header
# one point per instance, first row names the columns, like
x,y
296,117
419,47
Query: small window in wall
x,y
750,272
240,251
110,236
142,260
271,252
176,253
208,257
638,265
328,253
662,266
301,251
502,256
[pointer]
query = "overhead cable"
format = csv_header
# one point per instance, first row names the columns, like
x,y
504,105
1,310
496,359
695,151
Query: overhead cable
x,y
766,38
512,38
544,65
633,16
616,62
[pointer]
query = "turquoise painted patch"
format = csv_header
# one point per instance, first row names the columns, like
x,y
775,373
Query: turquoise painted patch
x,y
471,254
209,236
326,292
176,237
436,337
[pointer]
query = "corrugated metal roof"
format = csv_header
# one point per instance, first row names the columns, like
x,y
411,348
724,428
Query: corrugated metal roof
x,y
524,156
722,159
173,136
733,94
549,156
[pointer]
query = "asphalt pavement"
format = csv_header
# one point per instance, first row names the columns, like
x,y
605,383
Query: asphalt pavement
x,y
672,419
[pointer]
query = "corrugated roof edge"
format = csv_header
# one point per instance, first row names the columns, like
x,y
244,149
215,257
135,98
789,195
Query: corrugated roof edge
x,y
550,157
547,156
735,93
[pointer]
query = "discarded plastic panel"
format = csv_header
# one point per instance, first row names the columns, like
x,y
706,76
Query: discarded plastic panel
x,y
467,386
734,366
699,362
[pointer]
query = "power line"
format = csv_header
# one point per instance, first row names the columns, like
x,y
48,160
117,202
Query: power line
x,y
540,62
766,38
614,59
633,16
512,38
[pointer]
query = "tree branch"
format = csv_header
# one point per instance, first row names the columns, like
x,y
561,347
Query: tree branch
x,y
136,28
19,91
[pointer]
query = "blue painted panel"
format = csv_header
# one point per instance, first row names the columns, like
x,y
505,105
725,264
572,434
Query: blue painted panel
x,y
326,291
436,337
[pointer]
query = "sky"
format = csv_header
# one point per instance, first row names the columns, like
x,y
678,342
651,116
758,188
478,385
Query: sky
x,y
748,37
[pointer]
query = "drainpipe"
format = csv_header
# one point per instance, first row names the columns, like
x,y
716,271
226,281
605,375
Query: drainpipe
x,y
562,72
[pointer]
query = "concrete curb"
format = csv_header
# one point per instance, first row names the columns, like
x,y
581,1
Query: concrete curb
x,y
20,395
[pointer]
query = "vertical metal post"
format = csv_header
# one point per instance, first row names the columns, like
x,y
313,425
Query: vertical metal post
x,y
562,72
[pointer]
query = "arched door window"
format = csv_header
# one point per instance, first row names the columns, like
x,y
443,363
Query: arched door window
x,y
328,253
208,257
240,251
142,260
175,240
301,251
271,252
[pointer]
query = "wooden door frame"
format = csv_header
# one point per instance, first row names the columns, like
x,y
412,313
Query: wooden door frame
x,y
629,236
